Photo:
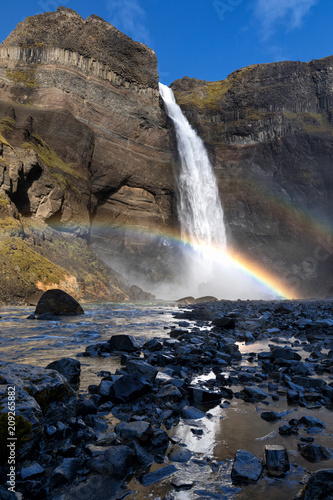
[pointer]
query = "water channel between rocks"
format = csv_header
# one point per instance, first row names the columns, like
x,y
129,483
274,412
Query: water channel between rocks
x,y
237,426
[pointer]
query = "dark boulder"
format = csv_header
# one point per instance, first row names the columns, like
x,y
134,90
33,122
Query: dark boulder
x,y
86,407
158,475
191,413
314,452
199,395
133,430
224,322
129,387
58,303
65,472
285,353
116,461
68,367
99,349
125,343
277,460
246,468
283,309
141,367
32,471
180,454
311,422
320,486
251,393
309,383
270,416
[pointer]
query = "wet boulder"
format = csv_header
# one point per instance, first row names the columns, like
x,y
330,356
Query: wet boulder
x,y
58,303
158,475
285,353
69,368
224,322
180,454
252,393
284,308
28,423
142,367
32,471
99,349
270,416
125,343
153,345
309,383
129,387
86,407
311,422
65,472
116,461
38,393
246,468
133,430
320,485
277,460
314,452
203,396
189,412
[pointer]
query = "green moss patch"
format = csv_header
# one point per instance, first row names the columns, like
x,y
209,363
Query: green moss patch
x,y
4,202
63,173
50,395
210,94
22,267
24,75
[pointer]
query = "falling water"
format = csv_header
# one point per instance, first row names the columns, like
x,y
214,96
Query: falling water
x,y
208,270
199,206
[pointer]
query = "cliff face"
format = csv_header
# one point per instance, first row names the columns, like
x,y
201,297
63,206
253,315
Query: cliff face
x,y
269,132
84,143
87,154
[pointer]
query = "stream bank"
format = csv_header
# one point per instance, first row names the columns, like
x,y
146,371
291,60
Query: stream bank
x,y
263,371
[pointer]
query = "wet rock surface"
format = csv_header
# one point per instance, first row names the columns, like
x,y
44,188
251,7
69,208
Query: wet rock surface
x,y
58,303
126,426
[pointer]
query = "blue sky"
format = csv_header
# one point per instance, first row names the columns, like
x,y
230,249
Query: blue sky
x,y
205,39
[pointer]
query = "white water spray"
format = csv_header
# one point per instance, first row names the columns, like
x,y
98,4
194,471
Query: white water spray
x,y
208,271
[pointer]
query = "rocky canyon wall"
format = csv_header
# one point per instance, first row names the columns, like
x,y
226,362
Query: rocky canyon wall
x,y
88,157
84,144
269,132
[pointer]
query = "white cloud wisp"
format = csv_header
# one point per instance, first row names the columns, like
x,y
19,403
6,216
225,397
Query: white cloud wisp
x,y
288,13
128,16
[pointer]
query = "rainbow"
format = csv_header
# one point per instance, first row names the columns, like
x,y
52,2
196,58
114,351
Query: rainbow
x,y
232,258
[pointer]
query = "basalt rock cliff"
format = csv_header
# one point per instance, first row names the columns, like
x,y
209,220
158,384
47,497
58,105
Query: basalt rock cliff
x,y
269,132
84,148
88,158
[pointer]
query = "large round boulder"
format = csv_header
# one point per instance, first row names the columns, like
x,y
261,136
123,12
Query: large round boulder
x,y
58,303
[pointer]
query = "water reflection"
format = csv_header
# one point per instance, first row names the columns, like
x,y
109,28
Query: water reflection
x,y
239,426
41,342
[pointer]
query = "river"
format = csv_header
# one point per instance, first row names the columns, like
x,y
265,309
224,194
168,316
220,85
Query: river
x,y
225,430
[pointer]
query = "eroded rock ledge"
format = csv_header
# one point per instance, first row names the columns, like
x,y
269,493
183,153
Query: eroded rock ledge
x,y
93,46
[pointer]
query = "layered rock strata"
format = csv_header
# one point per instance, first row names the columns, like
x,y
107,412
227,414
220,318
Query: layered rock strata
x,y
84,143
269,132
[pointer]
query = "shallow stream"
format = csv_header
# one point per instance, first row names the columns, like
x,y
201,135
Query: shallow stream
x,y
237,426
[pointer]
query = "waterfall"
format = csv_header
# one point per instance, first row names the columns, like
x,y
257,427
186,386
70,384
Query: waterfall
x,y
199,207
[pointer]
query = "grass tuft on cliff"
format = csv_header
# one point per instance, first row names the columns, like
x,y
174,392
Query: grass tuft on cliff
x,y
35,257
